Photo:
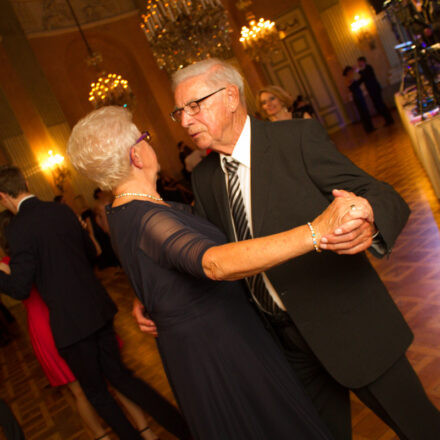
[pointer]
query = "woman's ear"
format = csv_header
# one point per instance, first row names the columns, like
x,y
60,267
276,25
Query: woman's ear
x,y
135,158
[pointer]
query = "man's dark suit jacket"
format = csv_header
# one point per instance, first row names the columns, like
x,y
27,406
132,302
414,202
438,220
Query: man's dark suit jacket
x,y
368,77
50,249
338,303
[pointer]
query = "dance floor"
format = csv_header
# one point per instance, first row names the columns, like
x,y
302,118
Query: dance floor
x,y
412,274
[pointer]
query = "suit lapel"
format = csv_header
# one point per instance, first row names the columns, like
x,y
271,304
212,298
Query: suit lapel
x,y
221,197
261,173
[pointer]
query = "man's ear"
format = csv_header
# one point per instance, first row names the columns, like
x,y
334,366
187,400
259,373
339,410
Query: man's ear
x,y
233,95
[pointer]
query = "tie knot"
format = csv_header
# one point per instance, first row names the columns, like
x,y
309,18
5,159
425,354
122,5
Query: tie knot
x,y
231,165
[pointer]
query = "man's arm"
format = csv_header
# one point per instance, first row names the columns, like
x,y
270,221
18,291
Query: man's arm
x,y
330,169
22,273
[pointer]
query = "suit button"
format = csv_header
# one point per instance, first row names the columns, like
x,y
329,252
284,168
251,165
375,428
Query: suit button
x,y
283,293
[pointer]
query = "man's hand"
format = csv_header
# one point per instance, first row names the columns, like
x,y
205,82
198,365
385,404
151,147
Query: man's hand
x,y
356,239
5,268
145,325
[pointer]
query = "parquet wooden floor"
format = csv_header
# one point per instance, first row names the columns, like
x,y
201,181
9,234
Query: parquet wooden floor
x,y
412,274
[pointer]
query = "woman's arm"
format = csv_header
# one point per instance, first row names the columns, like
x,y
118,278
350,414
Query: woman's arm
x,y
242,259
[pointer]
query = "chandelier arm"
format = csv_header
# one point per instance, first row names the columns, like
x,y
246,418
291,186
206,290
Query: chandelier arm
x,y
89,49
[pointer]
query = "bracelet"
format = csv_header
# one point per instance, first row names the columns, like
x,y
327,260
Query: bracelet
x,y
315,242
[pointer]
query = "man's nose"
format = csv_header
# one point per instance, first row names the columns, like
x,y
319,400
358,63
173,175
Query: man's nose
x,y
186,120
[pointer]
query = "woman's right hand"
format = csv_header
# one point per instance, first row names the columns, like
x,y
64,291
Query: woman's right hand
x,y
145,325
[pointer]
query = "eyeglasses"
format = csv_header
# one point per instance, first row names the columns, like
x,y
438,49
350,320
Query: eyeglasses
x,y
192,108
145,135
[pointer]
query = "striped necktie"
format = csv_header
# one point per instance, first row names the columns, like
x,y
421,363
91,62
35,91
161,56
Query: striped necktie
x,y
256,283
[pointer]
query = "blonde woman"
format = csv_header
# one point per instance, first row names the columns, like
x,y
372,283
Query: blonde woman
x,y
275,104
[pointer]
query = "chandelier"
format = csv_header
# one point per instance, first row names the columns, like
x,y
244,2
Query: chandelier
x,y
260,38
181,32
111,89
108,89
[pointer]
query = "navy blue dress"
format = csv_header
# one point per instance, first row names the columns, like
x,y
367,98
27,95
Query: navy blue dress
x,y
230,378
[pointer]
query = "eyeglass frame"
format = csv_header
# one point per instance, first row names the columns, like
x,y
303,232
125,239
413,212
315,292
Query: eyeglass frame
x,y
185,108
145,135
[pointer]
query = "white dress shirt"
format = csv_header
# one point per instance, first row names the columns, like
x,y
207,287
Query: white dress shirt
x,y
22,200
242,154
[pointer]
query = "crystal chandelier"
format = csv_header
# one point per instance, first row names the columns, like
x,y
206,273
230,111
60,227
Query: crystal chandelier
x,y
259,38
181,32
108,89
111,89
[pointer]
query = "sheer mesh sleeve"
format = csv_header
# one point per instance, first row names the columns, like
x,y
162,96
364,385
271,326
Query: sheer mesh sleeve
x,y
168,241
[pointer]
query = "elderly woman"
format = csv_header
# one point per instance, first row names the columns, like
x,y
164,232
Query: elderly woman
x,y
230,378
275,104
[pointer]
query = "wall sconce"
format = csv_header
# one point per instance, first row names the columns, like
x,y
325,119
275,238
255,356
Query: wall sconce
x,y
360,27
54,163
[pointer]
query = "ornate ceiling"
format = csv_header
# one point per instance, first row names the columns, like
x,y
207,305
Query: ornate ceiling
x,y
49,15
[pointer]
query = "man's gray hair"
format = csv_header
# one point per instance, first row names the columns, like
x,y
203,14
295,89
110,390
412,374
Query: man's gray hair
x,y
220,73
99,146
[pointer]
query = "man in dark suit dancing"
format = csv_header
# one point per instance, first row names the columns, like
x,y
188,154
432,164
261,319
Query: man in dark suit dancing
x,y
374,89
50,249
335,320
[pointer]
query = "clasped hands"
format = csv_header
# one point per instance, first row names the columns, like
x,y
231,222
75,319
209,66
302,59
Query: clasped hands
x,y
347,225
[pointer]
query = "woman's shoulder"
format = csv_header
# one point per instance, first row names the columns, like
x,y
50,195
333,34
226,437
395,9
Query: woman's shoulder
x,y
137,212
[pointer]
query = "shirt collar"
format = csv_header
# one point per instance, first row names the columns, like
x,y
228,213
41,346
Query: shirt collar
x,y
22,200
242,149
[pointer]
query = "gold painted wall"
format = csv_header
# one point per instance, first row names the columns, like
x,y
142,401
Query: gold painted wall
x,y
125,51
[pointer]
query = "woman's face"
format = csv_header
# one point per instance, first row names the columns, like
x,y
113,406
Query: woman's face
x,y
270,104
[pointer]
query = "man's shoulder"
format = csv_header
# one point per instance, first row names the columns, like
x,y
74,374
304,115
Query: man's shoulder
x,y
208,164
35,204
36,214
282,130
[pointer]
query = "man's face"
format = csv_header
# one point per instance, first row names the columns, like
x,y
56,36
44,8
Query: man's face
x,y
212,126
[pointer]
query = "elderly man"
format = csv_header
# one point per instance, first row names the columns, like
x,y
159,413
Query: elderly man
x,y
332,314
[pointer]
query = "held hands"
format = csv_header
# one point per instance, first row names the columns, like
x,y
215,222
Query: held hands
x,y
352,220
145,325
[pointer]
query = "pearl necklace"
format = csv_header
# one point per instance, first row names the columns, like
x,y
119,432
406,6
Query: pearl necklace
x,y
158,199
